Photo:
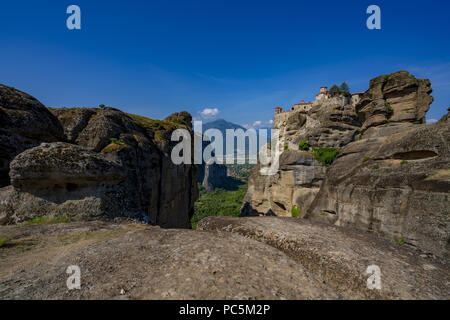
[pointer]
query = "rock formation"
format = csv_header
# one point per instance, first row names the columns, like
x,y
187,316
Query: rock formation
x,y
391,176
212,176
24,123
114,165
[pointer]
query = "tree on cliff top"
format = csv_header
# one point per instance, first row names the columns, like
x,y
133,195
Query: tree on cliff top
x,y
344,88
334,91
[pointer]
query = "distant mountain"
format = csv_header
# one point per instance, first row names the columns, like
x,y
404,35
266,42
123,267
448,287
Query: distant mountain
x,y
222,125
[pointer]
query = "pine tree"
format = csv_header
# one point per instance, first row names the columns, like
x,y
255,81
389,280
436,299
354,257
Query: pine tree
x,y
344,88
335,91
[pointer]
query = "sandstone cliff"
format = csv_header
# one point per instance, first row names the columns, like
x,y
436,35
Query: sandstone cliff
x,y
391,176
115,164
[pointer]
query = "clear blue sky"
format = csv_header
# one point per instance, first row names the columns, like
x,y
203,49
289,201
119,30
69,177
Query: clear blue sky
x,y
241,57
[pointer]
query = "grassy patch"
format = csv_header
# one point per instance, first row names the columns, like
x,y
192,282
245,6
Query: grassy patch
x,y
220,202
389,109
295,212
157,126
326,156
417,122
365,159
323,213
46,220
399,241
3,241
303,145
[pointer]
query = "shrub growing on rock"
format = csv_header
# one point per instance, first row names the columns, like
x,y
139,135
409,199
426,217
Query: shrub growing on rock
x,y
325,156
303,145
295,212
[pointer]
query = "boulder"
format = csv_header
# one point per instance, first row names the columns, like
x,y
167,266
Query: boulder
x,y
24,123
396,97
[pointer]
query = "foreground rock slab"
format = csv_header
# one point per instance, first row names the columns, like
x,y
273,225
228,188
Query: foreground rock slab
x,y
136,261
340,257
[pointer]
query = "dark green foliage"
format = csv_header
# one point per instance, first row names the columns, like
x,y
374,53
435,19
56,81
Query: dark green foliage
x,y
376,167
220,202
403,162
389,109
286,148
417,122
303,145
386,78
102,106
295,212
344,88
399,241
334,91
326,156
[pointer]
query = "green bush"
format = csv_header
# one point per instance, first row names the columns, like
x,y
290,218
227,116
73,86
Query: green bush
x,y
295,212
417,122
326,156
3,241
400,240
286,148
303,145
389,109
403,162
117,141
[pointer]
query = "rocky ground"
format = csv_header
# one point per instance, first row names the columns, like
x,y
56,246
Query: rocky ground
x,y
227,258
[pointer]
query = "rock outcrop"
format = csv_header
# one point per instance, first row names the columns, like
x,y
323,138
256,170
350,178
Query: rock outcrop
x,y
396,97
212,176
116,164
394,185
24,123
391,176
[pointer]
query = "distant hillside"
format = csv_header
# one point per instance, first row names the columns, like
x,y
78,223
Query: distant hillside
x,y
222,125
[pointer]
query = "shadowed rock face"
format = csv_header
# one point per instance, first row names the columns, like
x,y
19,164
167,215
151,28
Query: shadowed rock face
x,y
116,165
24,123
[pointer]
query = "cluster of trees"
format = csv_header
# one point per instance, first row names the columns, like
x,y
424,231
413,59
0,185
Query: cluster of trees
x,y
336,90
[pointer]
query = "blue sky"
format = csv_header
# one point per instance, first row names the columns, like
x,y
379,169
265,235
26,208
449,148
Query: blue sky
x,y
242,58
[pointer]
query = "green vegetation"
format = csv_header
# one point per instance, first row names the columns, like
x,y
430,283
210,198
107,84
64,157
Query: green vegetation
x,y
286,148
403,162
417,122
323,213
343,89
376,167
325,156
400,240
220,202
157,126
386,78
239,171
117,141
334,91
3,241
365,159
46,220
102,106
389,110
303,145
359,137
295,212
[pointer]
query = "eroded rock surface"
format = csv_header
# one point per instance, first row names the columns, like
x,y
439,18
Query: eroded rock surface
x,y
340,257
132,261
